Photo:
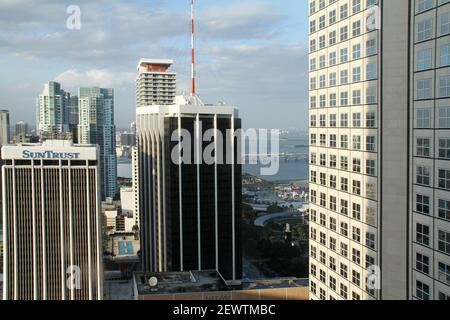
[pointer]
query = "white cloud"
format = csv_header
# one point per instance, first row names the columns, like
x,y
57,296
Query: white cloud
x,y
73,79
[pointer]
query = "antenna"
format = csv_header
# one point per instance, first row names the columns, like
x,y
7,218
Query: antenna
x,y
193,48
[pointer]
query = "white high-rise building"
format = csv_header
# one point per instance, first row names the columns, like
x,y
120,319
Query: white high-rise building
x,y
379,149
429,162
154,84
52,110
358,101
96,126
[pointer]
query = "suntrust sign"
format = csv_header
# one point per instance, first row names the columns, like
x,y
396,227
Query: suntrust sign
x,y
26,154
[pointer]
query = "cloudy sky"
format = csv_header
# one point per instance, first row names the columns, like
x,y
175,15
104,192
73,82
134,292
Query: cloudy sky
x,y
251,53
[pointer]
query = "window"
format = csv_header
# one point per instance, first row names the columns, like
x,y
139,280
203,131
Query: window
x,y
370,168
424,5
422,263
444,148
370,143
356,74
356,211
424,61
356,256
357,165
423,175
344,271
424,89
356,97
344,142
444,209
332,38
371,95
422,291
356,187
344,55
344,77
445,23
370,120
423,120
356,279
356,28
344,98
344,184
445,55
356,234
444,86
444,179
371,71
423,234
444,273
356,51
344,33
444,241
357,142
357,120
344,11
344,120
423,147
370,240
444,118
344,291
371,47
423,204
424,30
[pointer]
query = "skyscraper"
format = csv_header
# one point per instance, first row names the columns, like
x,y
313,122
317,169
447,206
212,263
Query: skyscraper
x,y
155,85
52,114
190,213
21,128
52,222
73,118
378,171
96,126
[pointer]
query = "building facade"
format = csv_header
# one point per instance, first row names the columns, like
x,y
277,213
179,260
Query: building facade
x,y
52,223
429,161
96,126
358,102
52,109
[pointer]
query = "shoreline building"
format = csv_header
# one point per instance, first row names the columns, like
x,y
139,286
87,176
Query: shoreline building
x,y
52,109
190,213
96,126
52,222
379,82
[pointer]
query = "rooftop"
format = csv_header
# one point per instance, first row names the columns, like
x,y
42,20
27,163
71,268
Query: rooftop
x,y
156,62
205,281
180,282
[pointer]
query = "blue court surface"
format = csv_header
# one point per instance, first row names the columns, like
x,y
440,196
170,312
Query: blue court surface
x,y
125,248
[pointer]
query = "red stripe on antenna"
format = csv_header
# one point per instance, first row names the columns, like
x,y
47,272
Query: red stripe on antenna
x,y
193,47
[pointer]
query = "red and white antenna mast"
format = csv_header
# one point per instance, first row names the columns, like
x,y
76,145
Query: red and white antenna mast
x,y
193,48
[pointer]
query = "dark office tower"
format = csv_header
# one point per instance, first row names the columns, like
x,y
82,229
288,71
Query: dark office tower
x,y
190,213
52,222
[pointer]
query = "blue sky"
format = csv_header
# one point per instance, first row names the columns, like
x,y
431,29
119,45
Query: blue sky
x,y
251,53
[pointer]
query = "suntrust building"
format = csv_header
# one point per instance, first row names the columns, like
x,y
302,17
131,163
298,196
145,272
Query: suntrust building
x,y
52,222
